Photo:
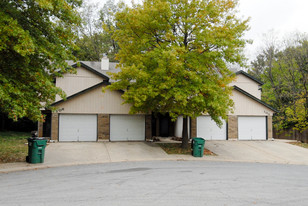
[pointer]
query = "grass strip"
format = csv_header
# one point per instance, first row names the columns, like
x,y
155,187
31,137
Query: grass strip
x,y
13,147
305,145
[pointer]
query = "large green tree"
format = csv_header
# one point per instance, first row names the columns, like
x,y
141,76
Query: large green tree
x,y
107,17
173,57
90,38
96,31
35,40
284,70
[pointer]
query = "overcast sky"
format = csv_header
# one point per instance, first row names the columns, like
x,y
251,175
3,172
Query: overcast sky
x,y
281,16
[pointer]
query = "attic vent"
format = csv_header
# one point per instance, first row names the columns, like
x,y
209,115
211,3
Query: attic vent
x,y
105,63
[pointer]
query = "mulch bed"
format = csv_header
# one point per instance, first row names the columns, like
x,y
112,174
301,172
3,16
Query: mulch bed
x,y
175,148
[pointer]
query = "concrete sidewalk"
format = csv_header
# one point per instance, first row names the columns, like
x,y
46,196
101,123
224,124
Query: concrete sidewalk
x,y
79,153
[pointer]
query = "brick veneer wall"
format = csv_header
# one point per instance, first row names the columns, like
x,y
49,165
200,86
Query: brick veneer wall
x,y
54,126
103,126
232,127
270,127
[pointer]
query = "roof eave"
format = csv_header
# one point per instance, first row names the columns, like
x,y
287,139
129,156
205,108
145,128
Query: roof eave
x,y
254,98
81,92
250,77
90,69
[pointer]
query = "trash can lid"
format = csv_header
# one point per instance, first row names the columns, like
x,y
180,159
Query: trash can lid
x,y
31,139
40,138
199,139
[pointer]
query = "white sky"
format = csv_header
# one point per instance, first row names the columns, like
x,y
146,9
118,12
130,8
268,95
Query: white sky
x,y
281,16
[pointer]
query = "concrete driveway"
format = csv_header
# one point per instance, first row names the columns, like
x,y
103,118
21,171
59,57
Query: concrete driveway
x,y
78,153
278,151
58,154
102,152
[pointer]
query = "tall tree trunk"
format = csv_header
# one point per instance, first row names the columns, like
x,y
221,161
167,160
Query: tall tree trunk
x,y
185,134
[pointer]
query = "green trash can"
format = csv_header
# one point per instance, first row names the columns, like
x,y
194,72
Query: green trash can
x,y
197,145
36,150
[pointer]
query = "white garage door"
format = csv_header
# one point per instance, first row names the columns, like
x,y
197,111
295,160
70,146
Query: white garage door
x,y
207,129
77,127
127,127
252,128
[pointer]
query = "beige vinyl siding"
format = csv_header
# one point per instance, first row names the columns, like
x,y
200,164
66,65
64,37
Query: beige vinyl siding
x,y
73,83
95,102
244,105
248,85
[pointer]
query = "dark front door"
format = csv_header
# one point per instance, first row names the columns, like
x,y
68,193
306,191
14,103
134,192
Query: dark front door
x,y
164,126
47,125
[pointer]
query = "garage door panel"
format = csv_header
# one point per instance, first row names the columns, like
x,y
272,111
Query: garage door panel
x,y
127,127
77,127
208,129
252,128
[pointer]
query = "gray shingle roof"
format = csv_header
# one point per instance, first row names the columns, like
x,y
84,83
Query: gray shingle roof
x,y
96,66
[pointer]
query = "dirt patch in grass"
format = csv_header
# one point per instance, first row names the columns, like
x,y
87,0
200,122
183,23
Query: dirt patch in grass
x,y
207,152
305,145
12,146
175,148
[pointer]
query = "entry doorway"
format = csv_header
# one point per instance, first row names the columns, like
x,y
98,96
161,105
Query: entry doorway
x,y
162,126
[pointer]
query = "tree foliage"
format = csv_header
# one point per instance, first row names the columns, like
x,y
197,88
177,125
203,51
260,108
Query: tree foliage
x,y
107,17
35,40
173,56
96,31
284,70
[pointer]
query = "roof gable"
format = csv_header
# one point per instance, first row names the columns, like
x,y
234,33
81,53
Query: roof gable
x,y
95,71
249,76
81,92
254,98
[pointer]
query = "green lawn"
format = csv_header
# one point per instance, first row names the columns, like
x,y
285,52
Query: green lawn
x,y
305,145
12,146
175,148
